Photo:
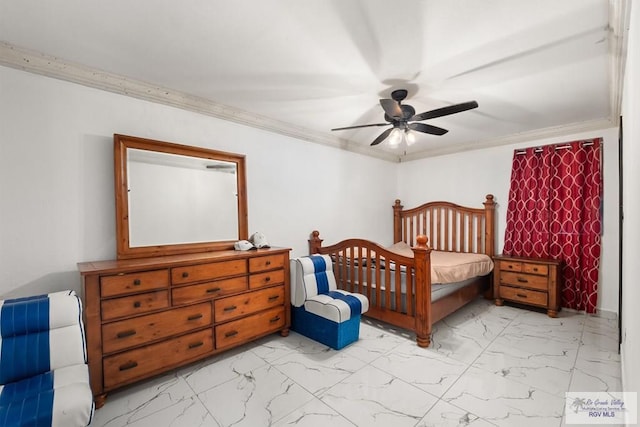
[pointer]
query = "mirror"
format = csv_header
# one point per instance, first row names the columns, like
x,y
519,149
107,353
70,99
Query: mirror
x,y
173,199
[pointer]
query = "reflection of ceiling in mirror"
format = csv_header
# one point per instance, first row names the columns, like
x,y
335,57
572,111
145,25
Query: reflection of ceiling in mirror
x,y
176,160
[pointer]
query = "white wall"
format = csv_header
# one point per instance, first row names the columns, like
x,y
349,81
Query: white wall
x,y
56,179
631,202
465,178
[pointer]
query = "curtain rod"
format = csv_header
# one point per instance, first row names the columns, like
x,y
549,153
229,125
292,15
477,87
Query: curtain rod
x,y
559,147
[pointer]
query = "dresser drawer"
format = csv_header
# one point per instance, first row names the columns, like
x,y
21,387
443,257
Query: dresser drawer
x,y
209,271
524,295
266,279
251,302
123,367
264,263
128,283
209,290
524,280
250,327
139,330
135,304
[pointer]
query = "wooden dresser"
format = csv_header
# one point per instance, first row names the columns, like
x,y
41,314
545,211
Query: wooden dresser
x,y
148,315
530,281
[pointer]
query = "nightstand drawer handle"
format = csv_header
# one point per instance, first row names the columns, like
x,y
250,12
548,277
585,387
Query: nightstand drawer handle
x,y
522,280
521,295
125,334
195,316
127,366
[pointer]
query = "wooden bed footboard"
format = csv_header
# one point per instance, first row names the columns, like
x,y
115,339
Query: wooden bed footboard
x,y
398,286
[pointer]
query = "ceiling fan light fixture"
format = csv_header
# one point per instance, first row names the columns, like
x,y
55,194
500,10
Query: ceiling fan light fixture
x,y
395,138
409,137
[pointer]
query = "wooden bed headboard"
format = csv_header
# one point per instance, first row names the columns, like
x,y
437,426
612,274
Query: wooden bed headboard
x,y
449,227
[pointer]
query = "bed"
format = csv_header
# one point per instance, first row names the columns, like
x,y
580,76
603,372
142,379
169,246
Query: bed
x,y
414,283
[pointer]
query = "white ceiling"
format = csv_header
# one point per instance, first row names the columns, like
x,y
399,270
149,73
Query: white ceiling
x,y
303,67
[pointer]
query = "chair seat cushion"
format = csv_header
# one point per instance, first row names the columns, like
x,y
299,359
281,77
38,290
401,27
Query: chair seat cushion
x,y
56,398
337,306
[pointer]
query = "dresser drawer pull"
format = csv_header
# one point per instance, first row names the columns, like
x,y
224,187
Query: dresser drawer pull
x,y
137,304
268,263
522,280
535,268
137,282
275,319
213,290
185,274
231,334
195,316
125,334
521,295
274,297
128,365
510,266
267,279
196,344
230,308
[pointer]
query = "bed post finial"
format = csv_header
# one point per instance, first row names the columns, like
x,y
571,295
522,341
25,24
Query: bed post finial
x,y
315,242
397,221
489,215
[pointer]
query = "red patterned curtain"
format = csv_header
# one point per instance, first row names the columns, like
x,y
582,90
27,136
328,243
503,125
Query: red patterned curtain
x,y
554,212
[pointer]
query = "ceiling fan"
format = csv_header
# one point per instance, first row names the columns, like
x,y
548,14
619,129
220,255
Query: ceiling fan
x,y
403,117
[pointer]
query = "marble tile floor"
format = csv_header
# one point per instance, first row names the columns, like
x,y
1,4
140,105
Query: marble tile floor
x,y
487,365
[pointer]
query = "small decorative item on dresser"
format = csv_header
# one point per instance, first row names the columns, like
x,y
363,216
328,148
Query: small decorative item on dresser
x,y
530,281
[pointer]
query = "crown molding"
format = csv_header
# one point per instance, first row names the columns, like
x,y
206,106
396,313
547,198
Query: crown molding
x,y
533,135
51,66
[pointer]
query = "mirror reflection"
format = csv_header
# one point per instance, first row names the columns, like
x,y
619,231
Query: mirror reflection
x,y
176,199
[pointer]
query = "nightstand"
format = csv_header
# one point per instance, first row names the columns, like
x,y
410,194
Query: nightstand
x,y
531,281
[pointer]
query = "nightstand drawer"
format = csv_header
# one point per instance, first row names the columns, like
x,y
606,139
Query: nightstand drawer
x,y
524,280
524,295
510,265
539,269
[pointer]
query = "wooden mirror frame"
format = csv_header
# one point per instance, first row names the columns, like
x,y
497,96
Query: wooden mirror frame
x,y
124,250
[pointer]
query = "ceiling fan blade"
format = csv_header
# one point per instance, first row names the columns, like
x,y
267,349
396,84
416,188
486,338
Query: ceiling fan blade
x,y
392,108
382,137
445,111
362,126
424,128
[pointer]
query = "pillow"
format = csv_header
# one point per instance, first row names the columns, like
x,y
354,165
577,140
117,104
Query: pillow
x,y
401,248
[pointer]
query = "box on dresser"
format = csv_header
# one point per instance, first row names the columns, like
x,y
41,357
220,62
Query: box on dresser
x,y
530,281
145,316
